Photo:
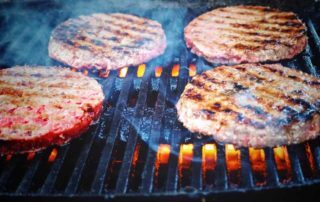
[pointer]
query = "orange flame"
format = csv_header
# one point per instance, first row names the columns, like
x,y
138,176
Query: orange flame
x,y
209,157
141,70
85,72
192,70
30,156
8,157
310,158
185,156
233,158
136,155
53,155
104,73
123,72
158,71
175,70
163,153
282,160
258,163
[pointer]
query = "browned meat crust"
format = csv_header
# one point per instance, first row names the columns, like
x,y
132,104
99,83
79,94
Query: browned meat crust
x,y
241,34
106,41
252,105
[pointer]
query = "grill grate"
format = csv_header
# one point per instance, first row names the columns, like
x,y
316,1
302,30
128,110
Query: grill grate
x,y
138,147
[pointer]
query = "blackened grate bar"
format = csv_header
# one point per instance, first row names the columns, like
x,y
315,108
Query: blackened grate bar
x,y
132,140
98,183
147,175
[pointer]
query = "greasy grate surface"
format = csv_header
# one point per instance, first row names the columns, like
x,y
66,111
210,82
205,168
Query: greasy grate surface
x,y
138,148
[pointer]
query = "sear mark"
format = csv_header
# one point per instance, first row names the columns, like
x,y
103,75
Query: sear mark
x,y
239,87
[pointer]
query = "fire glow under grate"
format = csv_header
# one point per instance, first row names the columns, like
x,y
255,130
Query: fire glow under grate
x,y
138,147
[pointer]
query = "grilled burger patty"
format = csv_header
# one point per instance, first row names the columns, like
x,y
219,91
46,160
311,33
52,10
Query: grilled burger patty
x,y
240,34
41,106
252,105
107,41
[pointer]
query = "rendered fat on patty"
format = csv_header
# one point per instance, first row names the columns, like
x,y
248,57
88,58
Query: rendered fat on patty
x,y
246,34
252,105
107,41
40,107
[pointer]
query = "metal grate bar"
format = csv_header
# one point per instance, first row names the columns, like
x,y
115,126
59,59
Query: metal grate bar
x,y
272,175
8,169
308,63
221,181
314,34
196,180
172,178
79,166
246,171
317,157
147,175
27,179
123,177
296,167
98,182
49,182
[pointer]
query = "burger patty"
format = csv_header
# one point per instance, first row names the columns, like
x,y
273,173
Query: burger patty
x,y
252,105
107,41
241,34
41,106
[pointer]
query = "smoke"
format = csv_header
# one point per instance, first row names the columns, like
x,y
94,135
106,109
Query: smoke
x,y
26,28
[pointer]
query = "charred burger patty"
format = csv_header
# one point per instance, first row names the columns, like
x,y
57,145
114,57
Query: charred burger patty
x,y
107,41
252,105
241,34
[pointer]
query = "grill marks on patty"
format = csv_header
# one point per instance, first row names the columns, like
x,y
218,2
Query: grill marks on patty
x,y
267,102
254,105
110,37
245,34
115,29
45,100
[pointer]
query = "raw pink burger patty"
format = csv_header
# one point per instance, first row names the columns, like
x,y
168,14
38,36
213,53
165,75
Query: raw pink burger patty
x,y
40,107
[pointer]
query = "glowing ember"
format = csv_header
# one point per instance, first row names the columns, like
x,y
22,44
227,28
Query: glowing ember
x,y
175,70
30,156
233,158
158,72
185,156
53,155
192,70
310,158
282,160
163,154
209,157
123,72
141,70
85,72
136,155
233,161
104,73
258,164
8,157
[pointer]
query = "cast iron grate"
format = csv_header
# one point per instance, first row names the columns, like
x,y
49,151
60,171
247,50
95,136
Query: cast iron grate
x,y
137,147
